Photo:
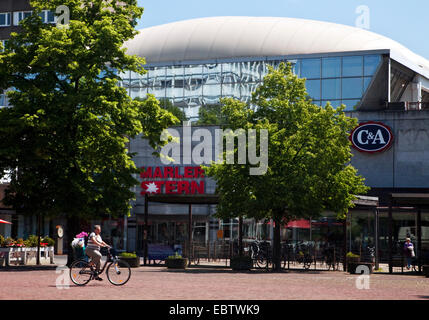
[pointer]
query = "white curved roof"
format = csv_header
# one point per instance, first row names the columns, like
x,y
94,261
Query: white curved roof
x,y
233,37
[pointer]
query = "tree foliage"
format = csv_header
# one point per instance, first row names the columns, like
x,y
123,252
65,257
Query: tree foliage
x,y
309,155
210,114
65,139
167,105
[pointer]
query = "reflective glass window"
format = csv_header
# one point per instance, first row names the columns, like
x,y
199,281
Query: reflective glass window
x,y
275,63
264,70
331,67
139,92
366,83
371,63
246,89
334,103
331,89
310,68
231,72
352,66
159,92
173,92
155,75
51,16
4,19
296,67
352,88
251,71
193,86
351,104
211,94
231,90
194,71
140,79
212,73
313,89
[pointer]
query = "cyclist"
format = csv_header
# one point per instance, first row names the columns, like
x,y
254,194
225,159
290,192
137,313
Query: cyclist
x,y
93,248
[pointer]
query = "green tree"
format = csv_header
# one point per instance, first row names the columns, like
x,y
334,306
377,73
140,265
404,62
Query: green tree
x,y
210,114
308,154
167,105
64,141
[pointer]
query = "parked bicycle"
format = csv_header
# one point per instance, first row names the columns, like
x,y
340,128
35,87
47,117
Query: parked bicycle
x,y
287,255
118,271
331,258
260,251
304,256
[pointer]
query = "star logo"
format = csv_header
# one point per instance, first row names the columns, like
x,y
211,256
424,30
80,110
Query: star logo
x,y
151,188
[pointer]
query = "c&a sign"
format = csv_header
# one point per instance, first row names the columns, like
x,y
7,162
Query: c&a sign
x,y
371,137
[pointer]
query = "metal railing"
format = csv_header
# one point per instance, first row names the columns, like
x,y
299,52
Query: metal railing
x,y
410,105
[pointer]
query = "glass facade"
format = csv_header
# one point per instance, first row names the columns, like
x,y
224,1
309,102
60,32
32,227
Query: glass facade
x,y
340,80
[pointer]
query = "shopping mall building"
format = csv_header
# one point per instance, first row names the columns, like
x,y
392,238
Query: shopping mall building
x,y
195,63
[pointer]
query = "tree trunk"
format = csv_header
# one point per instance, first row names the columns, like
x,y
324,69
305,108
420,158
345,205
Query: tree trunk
x,y
240,236
38,239
277,245
73,225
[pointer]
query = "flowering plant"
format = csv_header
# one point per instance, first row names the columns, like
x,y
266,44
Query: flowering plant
x,y
81,235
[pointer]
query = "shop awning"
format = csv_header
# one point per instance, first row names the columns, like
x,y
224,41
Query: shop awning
x,y
302,224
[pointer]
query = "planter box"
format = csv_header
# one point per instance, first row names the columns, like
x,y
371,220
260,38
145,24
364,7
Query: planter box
x,y
241,263
352,266
133,262
179,263
425,269
21,255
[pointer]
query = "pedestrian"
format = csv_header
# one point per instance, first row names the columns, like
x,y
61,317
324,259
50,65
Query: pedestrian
x,y
409,252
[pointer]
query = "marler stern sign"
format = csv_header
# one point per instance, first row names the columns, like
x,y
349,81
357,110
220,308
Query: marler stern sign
x,y
371,137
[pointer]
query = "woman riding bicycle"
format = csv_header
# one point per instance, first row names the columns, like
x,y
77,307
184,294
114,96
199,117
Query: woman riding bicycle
x,y
93,248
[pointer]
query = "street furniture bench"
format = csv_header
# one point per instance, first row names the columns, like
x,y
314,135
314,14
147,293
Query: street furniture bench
x,y
159,252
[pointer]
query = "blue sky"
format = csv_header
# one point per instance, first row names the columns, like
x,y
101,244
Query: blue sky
x,y
404,21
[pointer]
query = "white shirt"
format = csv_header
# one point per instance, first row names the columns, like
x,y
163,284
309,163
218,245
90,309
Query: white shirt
x,y
91,244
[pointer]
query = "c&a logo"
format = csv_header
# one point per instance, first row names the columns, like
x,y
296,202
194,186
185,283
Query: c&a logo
x,y
371,137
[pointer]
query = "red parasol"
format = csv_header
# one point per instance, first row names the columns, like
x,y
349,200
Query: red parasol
x,y
4,221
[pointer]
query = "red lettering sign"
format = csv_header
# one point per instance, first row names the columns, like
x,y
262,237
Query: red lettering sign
x,y
172,186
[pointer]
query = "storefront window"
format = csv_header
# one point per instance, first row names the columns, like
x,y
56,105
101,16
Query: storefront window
x,y
113,232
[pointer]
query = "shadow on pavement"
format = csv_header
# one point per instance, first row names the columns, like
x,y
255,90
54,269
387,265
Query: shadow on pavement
x,y
202,270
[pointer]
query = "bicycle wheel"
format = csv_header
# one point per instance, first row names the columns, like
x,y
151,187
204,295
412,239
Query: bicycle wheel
x,y
307,263
81,272
261,262
118,272
284,262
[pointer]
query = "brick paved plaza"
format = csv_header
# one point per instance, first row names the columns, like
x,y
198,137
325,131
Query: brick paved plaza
x,y
158,283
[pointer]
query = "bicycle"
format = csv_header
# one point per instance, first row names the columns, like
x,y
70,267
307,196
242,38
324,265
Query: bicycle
x,y
304,256
332,259
118,271
286,255
261,253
